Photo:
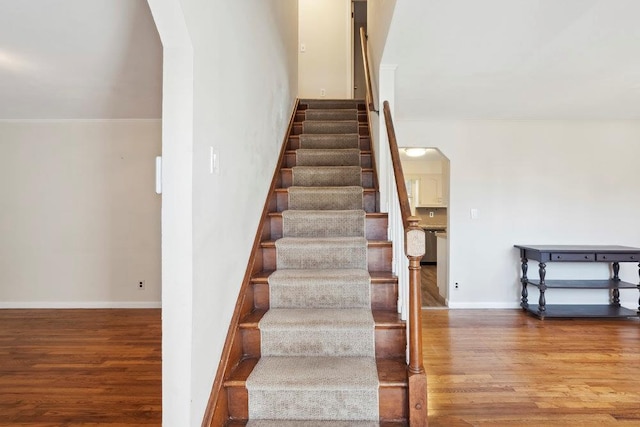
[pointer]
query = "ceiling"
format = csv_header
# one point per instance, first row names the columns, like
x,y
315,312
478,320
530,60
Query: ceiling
x,y
490,59
79,59
525,59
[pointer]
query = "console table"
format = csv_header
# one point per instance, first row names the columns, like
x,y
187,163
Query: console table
x,y
582,253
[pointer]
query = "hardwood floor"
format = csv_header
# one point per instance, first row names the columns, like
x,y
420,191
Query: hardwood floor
x,y
78,367
505,368
484,368
429,285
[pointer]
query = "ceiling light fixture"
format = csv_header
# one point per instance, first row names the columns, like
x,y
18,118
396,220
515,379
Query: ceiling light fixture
x,y
415,152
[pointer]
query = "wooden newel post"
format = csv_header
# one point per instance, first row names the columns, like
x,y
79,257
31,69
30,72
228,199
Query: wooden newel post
x,y
415,249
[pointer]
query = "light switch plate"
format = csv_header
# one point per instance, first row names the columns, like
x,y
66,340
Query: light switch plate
x,y
214,161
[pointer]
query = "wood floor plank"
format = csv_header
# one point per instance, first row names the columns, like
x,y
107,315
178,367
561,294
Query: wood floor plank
x,y
484,368
73,367
429,285
505,368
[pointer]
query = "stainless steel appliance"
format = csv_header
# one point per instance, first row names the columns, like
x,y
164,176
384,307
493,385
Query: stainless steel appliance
x,y
431,248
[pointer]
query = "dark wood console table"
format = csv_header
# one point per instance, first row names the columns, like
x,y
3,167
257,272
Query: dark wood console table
x,y
582,253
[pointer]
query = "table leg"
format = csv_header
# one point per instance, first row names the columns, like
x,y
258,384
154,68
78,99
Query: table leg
x,y
616,278
542,271
525,293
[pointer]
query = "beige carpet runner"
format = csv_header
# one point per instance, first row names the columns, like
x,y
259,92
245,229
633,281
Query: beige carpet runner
x,y
327,142
317,365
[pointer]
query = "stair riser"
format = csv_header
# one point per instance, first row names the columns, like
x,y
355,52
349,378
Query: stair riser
x,y
363,129
286,178
301,116
375,228
384,296
379,258
282,201
392,402
389,342
333,104
290,160
365,143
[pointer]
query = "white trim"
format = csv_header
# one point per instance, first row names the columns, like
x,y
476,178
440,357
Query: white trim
x,y
79,304
483,305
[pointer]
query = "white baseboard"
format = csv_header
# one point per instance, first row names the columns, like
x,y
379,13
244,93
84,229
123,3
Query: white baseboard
x,y
79,304
484,305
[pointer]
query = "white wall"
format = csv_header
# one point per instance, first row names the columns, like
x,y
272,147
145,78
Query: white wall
x,y
177,210
79,218
244,86
325,30
534,182
379,17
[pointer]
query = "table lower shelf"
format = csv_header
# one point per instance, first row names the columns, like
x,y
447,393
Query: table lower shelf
x,y
581,310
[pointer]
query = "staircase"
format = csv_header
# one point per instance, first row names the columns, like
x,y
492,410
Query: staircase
x,y
318,341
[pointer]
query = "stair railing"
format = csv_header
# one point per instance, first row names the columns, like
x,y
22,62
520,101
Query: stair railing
x,y
408,248
410,238
367,74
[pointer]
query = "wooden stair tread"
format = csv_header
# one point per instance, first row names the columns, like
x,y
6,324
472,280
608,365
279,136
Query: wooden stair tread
x,y
370,243
391,372
368,215
364,170
242,423
362,152
376,277
384,319
365,189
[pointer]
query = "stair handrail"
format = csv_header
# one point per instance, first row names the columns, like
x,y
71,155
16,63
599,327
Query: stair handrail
x,y
398,173
367,74
414,249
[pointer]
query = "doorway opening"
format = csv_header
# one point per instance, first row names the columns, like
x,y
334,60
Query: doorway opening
x,y
426,172
358,19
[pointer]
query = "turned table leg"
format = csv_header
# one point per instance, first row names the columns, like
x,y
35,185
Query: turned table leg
x,y
525,294
616,278
542,271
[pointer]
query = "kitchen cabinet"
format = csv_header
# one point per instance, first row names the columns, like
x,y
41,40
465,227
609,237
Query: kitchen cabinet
x,y
429,188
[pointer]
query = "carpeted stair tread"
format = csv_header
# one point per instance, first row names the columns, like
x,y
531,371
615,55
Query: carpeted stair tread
x,y
329,141
314,388
328,157
327,198
303,423
330,126
327,223
321,253
326,176
346,288
376,276
317,332
331,114
332,104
